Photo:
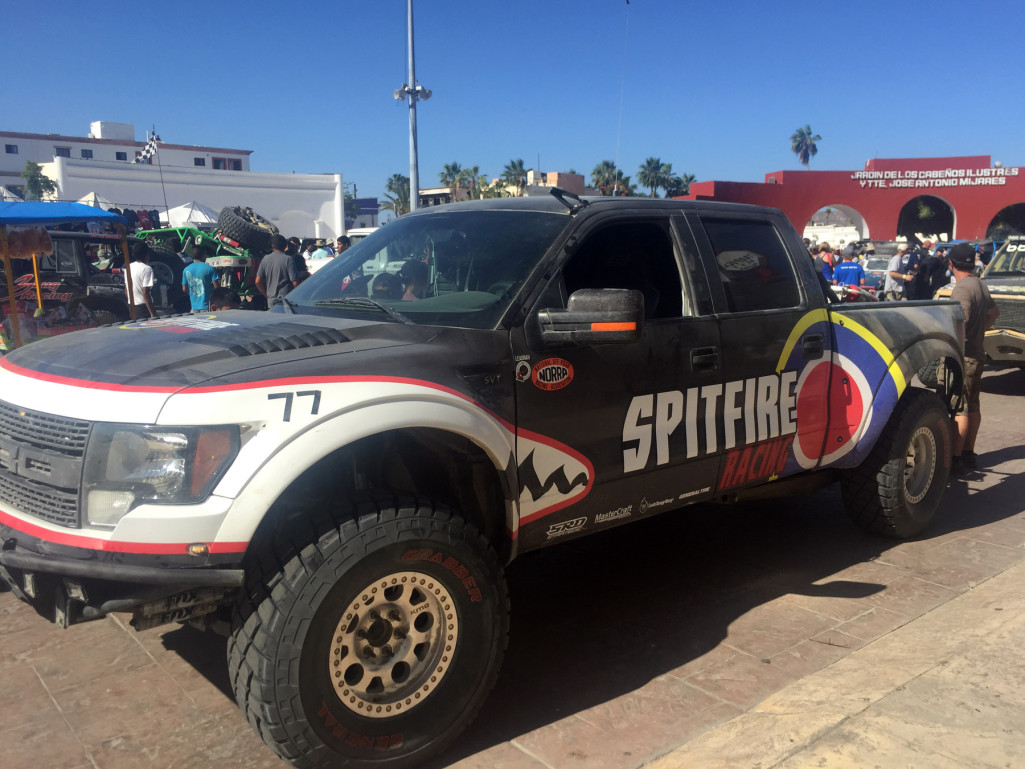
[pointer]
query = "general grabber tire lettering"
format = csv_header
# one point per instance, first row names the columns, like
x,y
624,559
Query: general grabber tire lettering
x,y
898,487
374,644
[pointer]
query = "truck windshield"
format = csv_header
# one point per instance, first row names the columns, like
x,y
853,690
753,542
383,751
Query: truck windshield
x,y
1009,260
460,268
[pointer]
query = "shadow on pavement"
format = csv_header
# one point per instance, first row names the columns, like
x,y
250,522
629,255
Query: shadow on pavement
x,y
596,618
1006,380
599,617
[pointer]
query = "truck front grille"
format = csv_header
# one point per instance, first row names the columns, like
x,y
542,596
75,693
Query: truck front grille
x,y
1012,314
32,443
58,506
44,431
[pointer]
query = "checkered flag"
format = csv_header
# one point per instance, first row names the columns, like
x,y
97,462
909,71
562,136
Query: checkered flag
x,y
149,150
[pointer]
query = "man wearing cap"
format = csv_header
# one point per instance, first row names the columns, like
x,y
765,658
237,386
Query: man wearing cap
x,y
980,312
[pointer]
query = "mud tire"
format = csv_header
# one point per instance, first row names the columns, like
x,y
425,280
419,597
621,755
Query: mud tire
x,y
248,229
898,487
929,374
293,635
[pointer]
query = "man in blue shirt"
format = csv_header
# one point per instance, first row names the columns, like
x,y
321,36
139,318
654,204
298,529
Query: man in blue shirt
x,y
199,280
849,272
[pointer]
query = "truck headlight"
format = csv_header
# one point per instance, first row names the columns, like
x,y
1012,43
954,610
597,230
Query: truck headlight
x,y
128,465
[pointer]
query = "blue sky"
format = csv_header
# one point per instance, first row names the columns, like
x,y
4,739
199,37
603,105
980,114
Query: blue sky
x,y
715,88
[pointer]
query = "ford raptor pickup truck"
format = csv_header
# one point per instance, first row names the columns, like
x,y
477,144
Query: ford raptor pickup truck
x,y
338,484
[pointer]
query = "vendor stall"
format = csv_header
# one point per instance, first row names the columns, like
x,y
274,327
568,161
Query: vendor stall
x,y
23,236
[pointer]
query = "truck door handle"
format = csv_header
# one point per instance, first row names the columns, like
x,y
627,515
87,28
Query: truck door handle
x,y
704,360
812,346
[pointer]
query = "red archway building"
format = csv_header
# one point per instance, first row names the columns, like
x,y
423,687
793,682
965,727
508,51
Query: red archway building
x,y
975,191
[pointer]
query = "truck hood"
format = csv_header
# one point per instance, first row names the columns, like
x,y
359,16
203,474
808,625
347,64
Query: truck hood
x,y
184,351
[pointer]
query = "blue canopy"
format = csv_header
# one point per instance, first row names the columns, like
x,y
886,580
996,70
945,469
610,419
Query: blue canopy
x,y
15,212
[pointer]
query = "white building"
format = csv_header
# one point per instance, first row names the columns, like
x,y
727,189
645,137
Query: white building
x,y
306,205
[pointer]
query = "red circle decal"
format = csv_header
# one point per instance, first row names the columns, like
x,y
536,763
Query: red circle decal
x,y
552,374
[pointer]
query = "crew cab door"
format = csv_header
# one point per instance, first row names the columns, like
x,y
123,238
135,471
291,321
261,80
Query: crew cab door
x,y
608,425
775,332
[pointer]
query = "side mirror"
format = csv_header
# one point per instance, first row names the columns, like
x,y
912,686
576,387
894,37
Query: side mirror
x,y
595,316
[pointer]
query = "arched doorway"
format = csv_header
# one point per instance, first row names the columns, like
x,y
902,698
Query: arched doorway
x,y
836,224
1008,221
926,217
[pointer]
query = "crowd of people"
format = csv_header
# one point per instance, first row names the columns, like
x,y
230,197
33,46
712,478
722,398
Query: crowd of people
x,y
914,272
279,272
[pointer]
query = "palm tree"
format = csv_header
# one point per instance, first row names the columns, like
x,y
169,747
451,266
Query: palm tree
x,y
396,198
449,176
802,144
652,174
678,185
515,174
467,178
486,190
603,176
622,187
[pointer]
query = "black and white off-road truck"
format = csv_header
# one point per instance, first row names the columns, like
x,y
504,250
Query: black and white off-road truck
x,y
338,484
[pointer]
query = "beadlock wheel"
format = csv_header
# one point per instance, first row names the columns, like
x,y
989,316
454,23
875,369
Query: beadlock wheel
x,y
393,647
920,467
340,637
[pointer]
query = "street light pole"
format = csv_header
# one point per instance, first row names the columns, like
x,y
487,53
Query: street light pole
x,y
414,163
412,93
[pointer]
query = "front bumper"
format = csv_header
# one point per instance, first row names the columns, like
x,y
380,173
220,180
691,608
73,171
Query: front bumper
x,y
1003,345
71,585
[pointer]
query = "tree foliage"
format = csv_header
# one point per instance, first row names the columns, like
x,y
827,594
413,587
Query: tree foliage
x,y
451,175
652,175
803,144
515,174
396,197
38,186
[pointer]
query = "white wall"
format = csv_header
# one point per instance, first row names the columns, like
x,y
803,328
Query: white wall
x,y
43,150
306,205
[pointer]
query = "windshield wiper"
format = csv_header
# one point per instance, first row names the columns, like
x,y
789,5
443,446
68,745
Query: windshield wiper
x,y
364,302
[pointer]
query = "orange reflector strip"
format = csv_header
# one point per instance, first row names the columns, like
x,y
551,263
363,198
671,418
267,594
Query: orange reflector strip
x,y
613,327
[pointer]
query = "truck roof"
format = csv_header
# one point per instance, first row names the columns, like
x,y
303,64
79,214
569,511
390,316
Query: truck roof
x,y
553,204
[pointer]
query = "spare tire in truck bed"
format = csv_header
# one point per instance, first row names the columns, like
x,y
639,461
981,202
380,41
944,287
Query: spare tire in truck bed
x,y
247,228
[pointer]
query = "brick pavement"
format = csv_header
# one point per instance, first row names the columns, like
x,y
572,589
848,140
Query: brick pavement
x,y
661,636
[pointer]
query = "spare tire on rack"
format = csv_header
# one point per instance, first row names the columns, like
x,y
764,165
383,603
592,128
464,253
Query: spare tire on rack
x,y
247,228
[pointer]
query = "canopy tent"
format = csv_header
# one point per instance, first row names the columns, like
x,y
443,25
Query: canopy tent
x,y
189,213
36,213
39,214
96,200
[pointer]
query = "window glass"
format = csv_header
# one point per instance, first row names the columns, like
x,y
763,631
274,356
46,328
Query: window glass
x,y
753,265
63,152
634,255
234,164
87,154
11,149
219,164
121,155
462,268
199,161
65,253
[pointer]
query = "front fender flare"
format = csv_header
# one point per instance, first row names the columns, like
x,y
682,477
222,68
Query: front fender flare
x,y
335,431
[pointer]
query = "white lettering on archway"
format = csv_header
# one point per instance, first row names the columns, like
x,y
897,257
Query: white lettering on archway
x,y
947,177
